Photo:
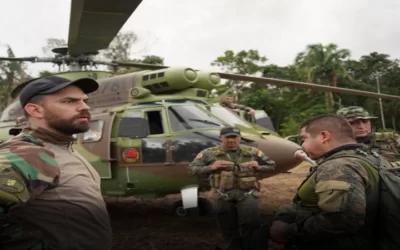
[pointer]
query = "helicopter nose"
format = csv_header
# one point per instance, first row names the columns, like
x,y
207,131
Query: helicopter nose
x,y
277,149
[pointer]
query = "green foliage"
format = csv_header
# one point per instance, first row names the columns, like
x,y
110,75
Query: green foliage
x,y
244,62
320,64
11,73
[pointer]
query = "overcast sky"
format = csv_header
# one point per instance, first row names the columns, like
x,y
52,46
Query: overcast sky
x,y
193,33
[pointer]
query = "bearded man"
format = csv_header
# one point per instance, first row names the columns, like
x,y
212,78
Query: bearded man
x,y
73,215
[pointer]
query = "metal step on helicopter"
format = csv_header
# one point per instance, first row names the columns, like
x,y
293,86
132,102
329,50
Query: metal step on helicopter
x,y
147,126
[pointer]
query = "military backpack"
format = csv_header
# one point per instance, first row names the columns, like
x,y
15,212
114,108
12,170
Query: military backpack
x,y
388,215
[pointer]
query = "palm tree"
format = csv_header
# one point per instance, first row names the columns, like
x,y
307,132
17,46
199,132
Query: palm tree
x,y
323,64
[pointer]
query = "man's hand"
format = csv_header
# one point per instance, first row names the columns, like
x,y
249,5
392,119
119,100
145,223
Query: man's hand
x,y
252,112
278,231
251,164
220,164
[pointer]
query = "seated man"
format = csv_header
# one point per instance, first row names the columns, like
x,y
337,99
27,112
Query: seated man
x,y
227,102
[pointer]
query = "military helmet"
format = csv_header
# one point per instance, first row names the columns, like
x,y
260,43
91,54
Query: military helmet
x,y
353,113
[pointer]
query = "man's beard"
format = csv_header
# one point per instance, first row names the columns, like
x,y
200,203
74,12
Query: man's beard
x,y
68,127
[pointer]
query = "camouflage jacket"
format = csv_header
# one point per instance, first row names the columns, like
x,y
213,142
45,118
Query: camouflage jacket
x,y
236,106
26,170
25,163
202,163
330,206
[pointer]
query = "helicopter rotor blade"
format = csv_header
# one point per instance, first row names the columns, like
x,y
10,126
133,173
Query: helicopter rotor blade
x,y
273,81
312,86
19,59
95,23
32,59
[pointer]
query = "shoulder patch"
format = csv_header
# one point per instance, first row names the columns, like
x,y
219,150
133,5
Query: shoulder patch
x,y
10,184
199,156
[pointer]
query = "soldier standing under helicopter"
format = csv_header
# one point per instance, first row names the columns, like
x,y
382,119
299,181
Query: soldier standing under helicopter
x,y
234,190
386,144
227,102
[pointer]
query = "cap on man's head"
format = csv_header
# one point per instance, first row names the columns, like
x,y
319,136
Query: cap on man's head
x,y
353,113
229,131
52,84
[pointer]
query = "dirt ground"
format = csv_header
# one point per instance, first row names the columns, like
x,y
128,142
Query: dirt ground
x,y
149,224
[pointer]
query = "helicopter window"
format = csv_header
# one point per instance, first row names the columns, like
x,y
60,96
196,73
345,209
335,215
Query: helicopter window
x,y
95,131
190,117
155,122
228,117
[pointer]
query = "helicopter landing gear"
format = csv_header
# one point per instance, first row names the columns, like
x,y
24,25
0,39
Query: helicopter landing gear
x,y
203,208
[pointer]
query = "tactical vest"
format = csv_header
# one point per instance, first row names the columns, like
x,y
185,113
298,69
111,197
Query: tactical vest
x,y
386,145
235,176
306,191
306,197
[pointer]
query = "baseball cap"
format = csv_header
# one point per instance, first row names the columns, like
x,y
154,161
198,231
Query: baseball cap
x,y
229,131
52,84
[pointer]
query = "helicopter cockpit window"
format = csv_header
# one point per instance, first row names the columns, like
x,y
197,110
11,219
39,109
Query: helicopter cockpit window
x,y
12,112
95,131
190,117
228,117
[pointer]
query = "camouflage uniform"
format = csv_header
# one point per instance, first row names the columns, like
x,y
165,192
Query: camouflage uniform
x,y
236,106
234,191
26,170
335,206
386,144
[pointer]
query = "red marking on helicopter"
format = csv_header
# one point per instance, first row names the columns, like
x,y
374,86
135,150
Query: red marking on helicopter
x,y
130,155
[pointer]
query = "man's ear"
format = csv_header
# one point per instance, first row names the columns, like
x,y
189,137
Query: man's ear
x,y
34,110
325,136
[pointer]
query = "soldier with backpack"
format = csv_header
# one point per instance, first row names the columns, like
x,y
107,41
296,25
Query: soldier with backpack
x,y
386,144
347,199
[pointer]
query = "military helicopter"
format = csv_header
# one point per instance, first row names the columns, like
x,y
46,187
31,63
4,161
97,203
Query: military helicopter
x,y
148,125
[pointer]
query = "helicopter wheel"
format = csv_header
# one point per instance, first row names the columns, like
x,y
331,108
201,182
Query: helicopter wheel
x,y
204,208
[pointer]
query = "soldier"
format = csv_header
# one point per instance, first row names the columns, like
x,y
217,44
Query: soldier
x,y
335,206
227,102
386,144
27,169
73,215
234,190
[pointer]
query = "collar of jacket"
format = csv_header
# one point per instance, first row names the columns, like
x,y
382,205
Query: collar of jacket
x,y
48,136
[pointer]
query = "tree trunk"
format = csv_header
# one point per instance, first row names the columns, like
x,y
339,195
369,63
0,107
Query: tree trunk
x,y
330,94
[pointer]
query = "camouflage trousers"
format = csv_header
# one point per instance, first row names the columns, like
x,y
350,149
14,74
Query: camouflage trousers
x,y
238,217
13,236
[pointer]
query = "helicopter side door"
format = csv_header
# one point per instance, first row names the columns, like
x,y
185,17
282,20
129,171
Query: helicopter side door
x,y
155,145
151,149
